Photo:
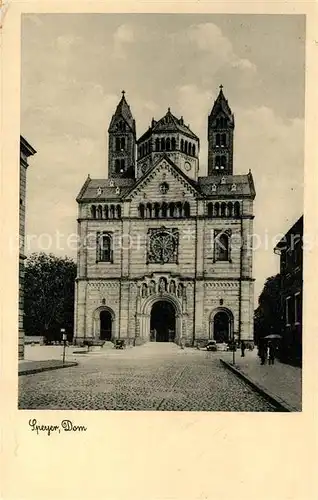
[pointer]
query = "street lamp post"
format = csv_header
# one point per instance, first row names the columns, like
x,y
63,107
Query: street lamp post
x,y
233,350
64,338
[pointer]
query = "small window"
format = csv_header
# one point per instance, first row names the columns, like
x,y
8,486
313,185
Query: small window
x,y
104,247
164,209
288,311
298,308
117,166
221,247
186,209
142,210
237,209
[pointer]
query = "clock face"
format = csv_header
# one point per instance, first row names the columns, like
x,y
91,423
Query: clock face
x,y
187,166
162,246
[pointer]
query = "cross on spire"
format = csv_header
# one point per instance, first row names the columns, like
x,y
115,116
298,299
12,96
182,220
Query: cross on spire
x,y
221,86
123,92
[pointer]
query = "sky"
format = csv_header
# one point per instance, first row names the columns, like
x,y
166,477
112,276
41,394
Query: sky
x,y
74,67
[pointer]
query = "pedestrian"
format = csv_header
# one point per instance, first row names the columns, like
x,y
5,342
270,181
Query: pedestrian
x,y
243,347
271,353
262,352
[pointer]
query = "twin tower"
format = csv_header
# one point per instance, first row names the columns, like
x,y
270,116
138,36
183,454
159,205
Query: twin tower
x,y
131,158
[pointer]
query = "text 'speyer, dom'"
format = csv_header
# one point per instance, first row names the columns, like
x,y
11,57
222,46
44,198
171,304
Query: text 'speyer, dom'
x,y
65,425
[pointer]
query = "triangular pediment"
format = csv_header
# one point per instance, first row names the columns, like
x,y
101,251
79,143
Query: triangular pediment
x,y
164,179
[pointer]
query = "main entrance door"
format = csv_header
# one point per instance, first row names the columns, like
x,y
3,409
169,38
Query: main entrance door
x,y
221,327
105,325
163,322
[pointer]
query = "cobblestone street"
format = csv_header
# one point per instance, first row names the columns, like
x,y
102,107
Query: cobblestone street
x,y
150,377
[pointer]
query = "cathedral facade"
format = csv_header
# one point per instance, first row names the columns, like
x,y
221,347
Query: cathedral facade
x,y
165,253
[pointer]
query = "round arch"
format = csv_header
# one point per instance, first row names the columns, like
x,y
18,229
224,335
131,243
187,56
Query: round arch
x,y
145,316
221,318
98,321
149,302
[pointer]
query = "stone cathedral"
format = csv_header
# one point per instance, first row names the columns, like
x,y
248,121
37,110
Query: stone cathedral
x,y
165,253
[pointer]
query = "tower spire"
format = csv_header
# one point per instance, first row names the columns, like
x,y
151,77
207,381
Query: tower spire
x,y
220,137
122,141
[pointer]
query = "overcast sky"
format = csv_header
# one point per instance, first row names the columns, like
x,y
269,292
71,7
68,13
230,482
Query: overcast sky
x,y
75,66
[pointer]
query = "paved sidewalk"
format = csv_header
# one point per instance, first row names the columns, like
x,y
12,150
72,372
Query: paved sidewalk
x,y
279,380
30,367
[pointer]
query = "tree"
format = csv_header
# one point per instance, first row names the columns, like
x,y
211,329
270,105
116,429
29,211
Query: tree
x,y
267,316
49,295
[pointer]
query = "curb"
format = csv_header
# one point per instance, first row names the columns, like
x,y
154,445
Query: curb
x,y
31,371
272,398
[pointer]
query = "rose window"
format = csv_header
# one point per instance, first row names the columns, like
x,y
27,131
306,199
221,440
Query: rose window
x,y
163,244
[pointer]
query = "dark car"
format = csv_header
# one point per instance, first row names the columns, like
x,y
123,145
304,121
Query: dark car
x,y
211,345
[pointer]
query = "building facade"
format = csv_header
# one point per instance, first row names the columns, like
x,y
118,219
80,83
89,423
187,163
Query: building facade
x,y
164,253
26,150
290,249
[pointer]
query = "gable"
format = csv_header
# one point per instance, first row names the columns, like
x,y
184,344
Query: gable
x,y
163,182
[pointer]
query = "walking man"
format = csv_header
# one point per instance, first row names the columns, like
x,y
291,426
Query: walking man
x,y
243,347
262,351
271,353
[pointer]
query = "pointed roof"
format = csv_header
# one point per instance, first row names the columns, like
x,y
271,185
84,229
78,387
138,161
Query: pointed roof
x,y
108,189
244,186
123,111
168,123
221,104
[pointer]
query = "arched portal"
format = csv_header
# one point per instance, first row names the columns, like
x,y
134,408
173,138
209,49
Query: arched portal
x,y
106,321
163,321
221,325
104,327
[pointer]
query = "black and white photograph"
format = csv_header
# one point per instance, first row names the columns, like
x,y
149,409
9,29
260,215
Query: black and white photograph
x,y
161,212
